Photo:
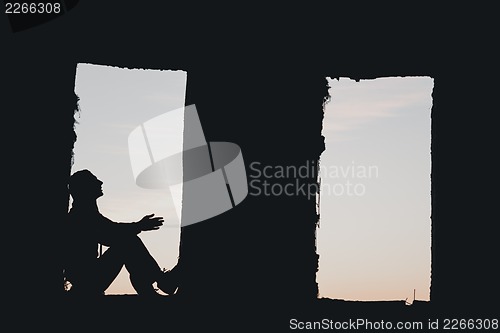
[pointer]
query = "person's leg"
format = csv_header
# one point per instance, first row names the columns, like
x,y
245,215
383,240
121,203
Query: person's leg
x,y
109,266
142,267
170,280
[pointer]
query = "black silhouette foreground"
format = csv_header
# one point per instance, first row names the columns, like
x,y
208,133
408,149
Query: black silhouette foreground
x,y
89,273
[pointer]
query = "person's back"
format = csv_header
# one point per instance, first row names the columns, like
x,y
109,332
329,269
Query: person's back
x,y
81,247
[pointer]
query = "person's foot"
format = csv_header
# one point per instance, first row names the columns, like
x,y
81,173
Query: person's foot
x,y
142,287
168,281
149,293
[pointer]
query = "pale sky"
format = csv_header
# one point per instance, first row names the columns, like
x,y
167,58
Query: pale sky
x,y
113,102
374,246
374,240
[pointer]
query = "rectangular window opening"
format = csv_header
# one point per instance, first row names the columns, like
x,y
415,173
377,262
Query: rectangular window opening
x,y
113,102
374,236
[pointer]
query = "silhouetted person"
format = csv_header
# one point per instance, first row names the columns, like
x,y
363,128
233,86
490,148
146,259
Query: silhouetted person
x,y
92,275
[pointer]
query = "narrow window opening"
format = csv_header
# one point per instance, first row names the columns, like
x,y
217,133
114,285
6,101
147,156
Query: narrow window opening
x,y
375,226
113,102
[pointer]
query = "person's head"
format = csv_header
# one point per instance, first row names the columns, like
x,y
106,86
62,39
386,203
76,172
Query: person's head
x,y
84,185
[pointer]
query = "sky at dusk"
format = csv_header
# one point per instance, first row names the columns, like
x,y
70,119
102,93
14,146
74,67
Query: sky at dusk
x,y
374,235
113,102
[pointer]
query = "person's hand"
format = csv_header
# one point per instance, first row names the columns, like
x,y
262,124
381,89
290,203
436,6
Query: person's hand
x,y
149,222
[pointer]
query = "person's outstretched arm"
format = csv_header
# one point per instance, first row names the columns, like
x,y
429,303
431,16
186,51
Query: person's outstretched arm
x,y
110,230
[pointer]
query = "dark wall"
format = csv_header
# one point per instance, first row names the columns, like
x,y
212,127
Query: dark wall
x,y
263,71
266,245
